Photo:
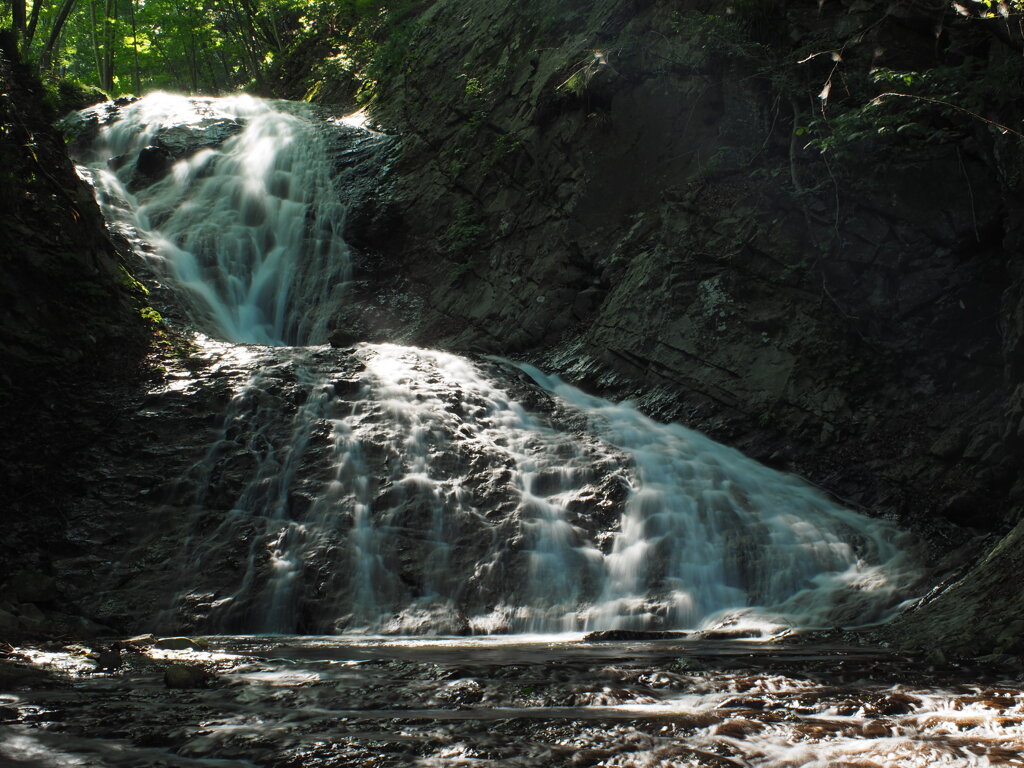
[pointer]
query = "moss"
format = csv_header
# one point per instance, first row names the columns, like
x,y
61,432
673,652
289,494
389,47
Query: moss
x,y
465,229
67,95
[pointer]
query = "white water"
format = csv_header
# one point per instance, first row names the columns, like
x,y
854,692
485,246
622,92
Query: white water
x,y
247,230
427,499
516,701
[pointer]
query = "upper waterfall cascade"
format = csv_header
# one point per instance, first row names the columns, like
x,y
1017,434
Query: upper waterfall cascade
x,y
397,489
234,203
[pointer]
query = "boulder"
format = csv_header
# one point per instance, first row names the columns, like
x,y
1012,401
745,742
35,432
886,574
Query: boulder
x,y
177,644
153,162
141,641
8,622
32,587
186,676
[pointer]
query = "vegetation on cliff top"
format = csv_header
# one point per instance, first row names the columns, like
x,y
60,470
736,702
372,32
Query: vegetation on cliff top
x,y
197,46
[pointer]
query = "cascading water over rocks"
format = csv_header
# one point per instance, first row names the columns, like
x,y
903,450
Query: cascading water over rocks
x,y
233,203
405,490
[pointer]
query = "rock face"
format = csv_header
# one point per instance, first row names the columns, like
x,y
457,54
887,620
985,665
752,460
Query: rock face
x,y
69,324
621,193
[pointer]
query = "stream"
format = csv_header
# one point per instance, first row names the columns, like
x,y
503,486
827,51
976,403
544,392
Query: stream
x,y
286,702
393,554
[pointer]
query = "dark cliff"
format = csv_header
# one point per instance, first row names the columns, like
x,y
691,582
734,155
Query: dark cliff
x,y
69,328
718,212
796,227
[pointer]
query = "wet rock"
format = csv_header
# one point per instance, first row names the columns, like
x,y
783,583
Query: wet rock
x,y
892,704
461,692
181,141
1006,661
110,659
737,728
876,729
15,674
32,587
688,664
730,633
178,644
140,641
609,635
187,676
342,338
153,163
347,387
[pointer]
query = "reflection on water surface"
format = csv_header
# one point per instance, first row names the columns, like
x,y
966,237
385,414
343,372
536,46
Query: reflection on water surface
x,y
291,702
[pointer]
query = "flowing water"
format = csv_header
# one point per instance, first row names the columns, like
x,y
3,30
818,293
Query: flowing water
x,y
234,203
388,498
405,490
525,702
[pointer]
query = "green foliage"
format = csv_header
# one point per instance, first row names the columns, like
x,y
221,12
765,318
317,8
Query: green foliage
x,y
205,45
456,162
719,40
582,73
473,87
383,43
465,228
150,315
762,21
900,108
128,281
67,95
502,147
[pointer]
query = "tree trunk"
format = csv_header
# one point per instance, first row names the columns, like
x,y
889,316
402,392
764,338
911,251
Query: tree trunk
x,y
213,75
95,41
178,79
193,63
31,31
109,31
135,50
18,16
58,24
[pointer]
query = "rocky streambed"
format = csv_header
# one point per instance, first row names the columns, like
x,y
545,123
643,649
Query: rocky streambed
x,y
291,702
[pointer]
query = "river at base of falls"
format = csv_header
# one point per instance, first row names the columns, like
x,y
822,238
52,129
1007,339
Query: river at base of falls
x,y
306,702
404,490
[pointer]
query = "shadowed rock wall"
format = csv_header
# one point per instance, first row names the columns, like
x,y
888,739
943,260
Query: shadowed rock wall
x,y
69,326
625,193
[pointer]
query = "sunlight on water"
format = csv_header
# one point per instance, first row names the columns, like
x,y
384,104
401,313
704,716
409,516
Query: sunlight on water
x,y
416,493
519,701
245,220
428,500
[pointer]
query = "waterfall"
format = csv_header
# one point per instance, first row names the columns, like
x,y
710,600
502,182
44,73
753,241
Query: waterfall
x,y
392,489
233,203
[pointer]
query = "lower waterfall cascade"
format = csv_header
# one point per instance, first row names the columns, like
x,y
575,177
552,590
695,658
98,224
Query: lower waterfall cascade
x,y
401,490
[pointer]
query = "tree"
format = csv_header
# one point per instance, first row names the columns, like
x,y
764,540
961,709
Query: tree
x,y
59,20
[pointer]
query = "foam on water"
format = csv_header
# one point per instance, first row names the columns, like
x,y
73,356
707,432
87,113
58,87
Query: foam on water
x,y
246,222
427,498
438,503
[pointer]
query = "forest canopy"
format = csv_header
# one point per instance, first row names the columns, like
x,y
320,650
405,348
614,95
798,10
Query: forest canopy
x,y
291,48
196,46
